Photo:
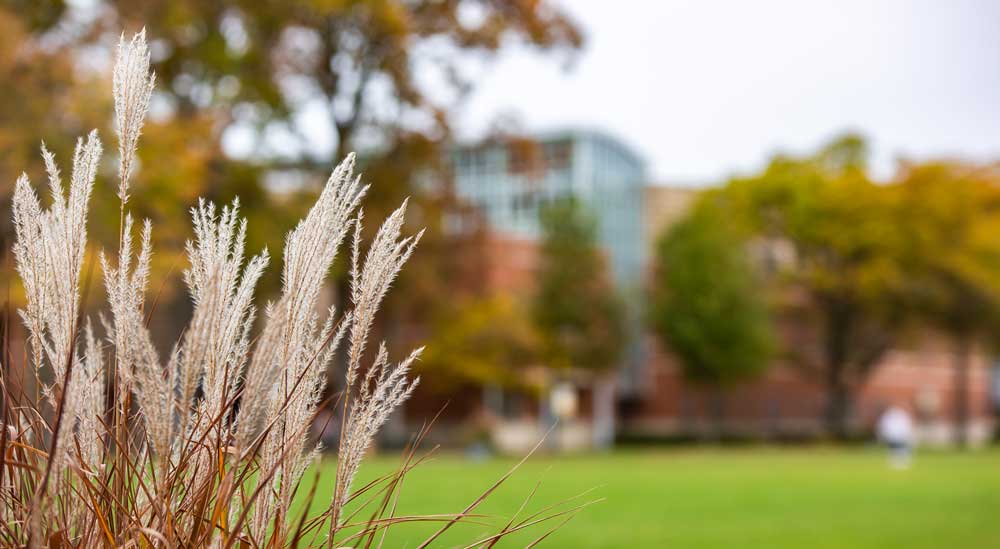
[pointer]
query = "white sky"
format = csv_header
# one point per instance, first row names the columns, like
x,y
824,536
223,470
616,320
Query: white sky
x,y
703,89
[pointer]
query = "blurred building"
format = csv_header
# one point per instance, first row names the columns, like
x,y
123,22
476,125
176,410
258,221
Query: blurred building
x,y
789,402
509,180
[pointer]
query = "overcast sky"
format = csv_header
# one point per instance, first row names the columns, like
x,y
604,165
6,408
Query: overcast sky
x,y
703,89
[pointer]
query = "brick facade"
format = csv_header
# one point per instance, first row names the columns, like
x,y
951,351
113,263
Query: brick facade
x,y
789,403
786,402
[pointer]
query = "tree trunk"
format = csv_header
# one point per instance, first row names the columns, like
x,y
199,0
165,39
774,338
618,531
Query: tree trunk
x,y
962,351
838,406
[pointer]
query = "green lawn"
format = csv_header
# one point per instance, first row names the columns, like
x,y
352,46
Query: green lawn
x,y
740,498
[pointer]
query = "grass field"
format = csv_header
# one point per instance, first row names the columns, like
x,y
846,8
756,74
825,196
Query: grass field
x,y
745,498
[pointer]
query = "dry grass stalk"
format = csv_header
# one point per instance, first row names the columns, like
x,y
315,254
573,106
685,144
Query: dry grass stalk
x,y
209,446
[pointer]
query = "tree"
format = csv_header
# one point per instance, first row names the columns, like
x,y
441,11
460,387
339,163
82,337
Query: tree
x,y
578,314
843,279
366,61
38,85
377,76
363,66
576,308
951,216
706,303
484,341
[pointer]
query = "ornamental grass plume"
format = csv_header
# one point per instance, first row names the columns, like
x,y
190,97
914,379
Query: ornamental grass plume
x,y
208,445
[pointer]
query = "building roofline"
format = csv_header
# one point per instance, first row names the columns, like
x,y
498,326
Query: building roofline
x,y
574,133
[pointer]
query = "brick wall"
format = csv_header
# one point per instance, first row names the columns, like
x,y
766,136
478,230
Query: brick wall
x,y
787,402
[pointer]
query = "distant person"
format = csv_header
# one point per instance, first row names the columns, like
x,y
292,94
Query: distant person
x,y
895,430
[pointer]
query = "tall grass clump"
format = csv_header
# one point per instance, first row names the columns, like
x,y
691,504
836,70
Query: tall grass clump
x,y
207,445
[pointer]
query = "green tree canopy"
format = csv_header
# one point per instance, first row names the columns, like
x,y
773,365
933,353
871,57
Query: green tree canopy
x,y
706,303
843,279
951,218
576,309
950,213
